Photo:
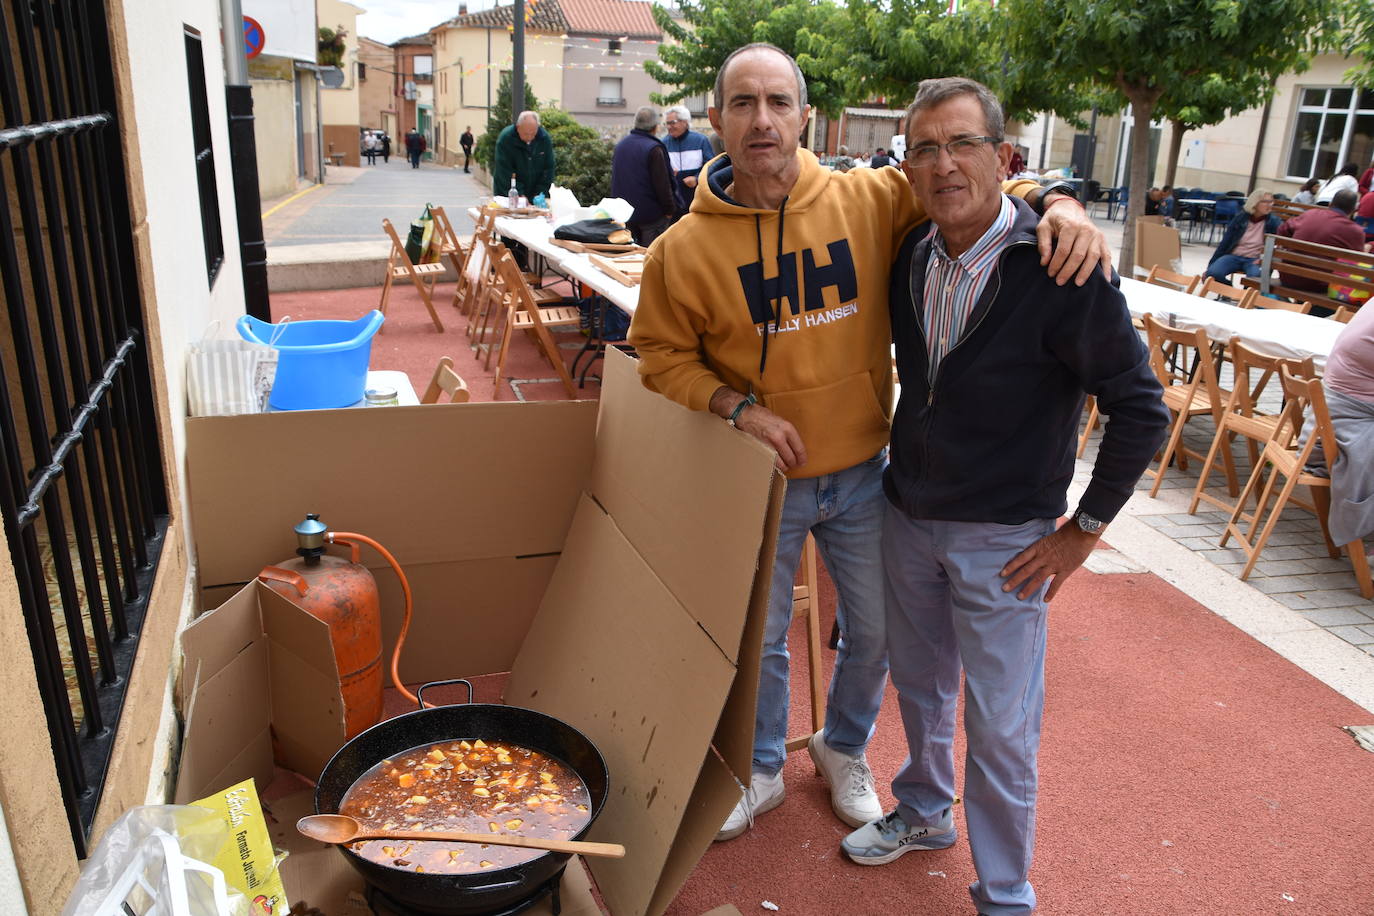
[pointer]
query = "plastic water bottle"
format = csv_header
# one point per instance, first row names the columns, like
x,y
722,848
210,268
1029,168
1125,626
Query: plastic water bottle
x,y
513,198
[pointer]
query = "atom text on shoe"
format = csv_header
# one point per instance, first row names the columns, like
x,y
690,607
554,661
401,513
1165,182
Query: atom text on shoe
x,y
889,837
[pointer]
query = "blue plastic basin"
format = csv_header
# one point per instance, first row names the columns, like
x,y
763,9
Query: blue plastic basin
x,y
321,364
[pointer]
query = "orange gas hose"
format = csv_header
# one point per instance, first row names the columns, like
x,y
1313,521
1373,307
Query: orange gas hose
x,y
348,537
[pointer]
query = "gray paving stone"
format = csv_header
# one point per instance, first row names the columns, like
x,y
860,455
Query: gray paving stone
x,y
1355,635
1369,648
1337,617
1271,585
1341,579
1296,601
1187,520
1336,597
1328,564
1282,537
1223,555
1282,567
1201,544
1287,552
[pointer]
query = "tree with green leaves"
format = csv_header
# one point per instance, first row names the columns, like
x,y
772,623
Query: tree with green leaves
x,y
714,28
884,48
1358,35
1209,99
1151,50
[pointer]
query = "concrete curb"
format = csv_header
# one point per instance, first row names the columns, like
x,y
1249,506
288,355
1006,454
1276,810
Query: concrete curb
x,y
336,265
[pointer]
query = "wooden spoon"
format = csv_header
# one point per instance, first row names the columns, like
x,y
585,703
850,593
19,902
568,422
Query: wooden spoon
x,y
340,828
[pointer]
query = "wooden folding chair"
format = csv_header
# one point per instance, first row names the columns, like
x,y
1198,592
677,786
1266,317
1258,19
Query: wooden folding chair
x,y
523,312
1242,416
474,276
1343,314
450,246
1191,395
1163,276
806,603
399,267
446,382
1264,302
1288,455
1210,288
1093,416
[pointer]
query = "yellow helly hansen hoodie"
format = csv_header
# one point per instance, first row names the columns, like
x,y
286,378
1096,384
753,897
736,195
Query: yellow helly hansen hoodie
x,y
812,276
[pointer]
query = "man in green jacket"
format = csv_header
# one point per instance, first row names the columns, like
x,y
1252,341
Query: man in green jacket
x,y
524,150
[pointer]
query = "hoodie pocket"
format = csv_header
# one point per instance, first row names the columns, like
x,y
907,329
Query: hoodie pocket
x,y
842,420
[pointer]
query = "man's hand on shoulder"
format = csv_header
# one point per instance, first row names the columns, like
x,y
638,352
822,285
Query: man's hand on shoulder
x,y
764,425
1057,554
1070,244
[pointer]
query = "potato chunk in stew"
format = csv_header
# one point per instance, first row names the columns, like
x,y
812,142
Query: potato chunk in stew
x,y
472,786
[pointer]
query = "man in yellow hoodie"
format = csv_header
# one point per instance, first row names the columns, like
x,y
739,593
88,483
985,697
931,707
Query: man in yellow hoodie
x,y
767,305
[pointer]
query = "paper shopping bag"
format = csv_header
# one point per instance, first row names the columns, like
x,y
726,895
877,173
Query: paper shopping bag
x,y
227,377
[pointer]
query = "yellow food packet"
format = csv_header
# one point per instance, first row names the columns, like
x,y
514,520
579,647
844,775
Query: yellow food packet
x,y
247,859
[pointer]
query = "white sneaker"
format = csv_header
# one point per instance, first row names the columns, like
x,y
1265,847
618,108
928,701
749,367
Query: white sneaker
x,y
765,793
851,782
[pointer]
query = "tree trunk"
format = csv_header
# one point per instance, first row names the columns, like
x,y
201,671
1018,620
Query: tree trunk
x,y
1142,107
1175,144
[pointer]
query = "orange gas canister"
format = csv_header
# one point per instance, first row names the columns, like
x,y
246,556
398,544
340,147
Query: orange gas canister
x,y
343,594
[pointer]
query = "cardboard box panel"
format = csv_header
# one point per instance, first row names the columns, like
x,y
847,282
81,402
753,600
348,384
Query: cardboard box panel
x,y
502,480
638,676
672,477
228,724
715,795
470,616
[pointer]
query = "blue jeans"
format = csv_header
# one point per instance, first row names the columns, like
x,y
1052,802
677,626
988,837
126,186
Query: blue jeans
x,y
1222,268
845,512
947,613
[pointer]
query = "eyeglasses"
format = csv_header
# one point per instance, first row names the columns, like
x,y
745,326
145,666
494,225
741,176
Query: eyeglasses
x,y
924,156
671,121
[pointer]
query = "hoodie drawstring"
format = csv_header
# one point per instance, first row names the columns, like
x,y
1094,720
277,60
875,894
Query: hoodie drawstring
x,y
774,304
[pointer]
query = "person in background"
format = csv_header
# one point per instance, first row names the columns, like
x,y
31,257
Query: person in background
x,y
1160,202
524,150
370,146
1348,380
1365,215
415,146
386,147
881,158
465,141
1331,225
1344,180
1243,241
1308,193
767,306
642,176
688,151
1367,179
1017,164
995,359
843,161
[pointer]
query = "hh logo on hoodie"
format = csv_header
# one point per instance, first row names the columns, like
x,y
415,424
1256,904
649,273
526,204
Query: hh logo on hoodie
x,y
807,296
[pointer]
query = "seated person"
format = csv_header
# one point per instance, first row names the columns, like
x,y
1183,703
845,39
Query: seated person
x,y
1160,202
1344,180
1365,215
1326,226
1243,241
1308,194
1349,384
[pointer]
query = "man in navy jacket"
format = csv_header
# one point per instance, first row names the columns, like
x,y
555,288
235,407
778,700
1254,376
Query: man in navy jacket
x,y
994,360
641,175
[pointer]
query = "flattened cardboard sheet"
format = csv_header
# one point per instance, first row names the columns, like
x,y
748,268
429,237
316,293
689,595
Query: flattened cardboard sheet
x,y
614,654
470,616
490,480
689,491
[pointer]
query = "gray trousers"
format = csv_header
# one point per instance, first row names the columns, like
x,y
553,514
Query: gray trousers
x,y
947,613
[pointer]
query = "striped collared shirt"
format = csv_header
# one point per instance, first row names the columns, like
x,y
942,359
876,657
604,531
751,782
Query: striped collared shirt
x,y
953,285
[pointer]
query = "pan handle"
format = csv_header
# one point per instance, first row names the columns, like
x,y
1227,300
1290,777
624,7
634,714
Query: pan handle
x,y
496,886
420,694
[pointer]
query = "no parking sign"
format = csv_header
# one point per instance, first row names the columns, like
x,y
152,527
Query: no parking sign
x,y
254,36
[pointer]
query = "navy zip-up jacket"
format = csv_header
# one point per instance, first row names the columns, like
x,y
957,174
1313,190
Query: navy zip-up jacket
x,y
991,438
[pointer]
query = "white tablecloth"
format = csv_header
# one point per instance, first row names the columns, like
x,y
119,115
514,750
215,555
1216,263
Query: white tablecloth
x,y
537,235
1273,332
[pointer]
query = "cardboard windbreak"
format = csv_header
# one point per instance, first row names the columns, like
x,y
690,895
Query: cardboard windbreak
x,y
616,560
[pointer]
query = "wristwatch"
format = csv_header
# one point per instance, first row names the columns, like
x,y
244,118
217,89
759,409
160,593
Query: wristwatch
x,y
1087,524
1055,187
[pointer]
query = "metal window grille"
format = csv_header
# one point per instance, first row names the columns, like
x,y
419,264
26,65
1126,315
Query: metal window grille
x,y
205,156
82,493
